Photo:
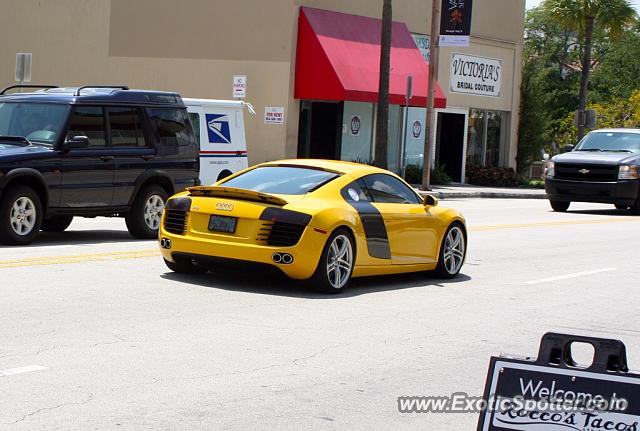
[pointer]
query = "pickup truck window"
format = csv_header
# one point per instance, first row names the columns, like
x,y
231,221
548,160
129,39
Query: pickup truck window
x,y
610,141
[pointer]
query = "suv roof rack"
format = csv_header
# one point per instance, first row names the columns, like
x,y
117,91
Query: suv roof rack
x,y
121,87
11,87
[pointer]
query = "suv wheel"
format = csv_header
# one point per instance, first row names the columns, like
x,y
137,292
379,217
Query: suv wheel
x,y
560,206
143,220
20,215
56,223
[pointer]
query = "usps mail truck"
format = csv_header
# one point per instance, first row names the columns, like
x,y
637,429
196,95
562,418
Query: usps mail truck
x,y
219,126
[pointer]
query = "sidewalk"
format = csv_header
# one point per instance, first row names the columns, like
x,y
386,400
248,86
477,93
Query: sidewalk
x,y
469,191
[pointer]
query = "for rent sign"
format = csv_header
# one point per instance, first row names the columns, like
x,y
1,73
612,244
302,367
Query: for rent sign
x,y
475,75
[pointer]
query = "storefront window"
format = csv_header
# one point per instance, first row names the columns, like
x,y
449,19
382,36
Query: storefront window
x,y
486,140
494,123
357,132
395,135
475,141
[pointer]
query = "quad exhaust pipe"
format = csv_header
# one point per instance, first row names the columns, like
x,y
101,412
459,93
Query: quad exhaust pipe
x,y
282,258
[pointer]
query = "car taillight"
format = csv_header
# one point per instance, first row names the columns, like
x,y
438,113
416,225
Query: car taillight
x,y
181,204
285,216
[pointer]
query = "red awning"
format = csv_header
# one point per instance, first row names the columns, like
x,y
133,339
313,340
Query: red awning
x,y
338,58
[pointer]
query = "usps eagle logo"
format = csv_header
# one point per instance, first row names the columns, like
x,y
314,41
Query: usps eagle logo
x,y
218,128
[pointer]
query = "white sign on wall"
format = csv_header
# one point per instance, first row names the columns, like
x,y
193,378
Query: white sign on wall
x,y
475,75
274,115
239,86
23,67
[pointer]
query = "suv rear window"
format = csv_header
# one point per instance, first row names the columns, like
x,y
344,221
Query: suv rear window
x,y
172,126
286,180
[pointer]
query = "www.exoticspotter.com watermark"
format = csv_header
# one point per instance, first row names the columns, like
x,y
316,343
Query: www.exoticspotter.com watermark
x,y
461,402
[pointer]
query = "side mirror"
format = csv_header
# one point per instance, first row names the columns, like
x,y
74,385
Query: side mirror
x,y
430,201
567,148
76,142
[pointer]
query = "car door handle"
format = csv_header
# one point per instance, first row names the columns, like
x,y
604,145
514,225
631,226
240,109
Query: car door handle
x,y
148,157
107,158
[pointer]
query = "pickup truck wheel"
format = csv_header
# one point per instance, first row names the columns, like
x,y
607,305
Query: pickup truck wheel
x,y
635,208
143,221
20,215
560,206
56,223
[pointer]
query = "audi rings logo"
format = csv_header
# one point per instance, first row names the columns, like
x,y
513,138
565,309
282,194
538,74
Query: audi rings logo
x,y
224,206
165,243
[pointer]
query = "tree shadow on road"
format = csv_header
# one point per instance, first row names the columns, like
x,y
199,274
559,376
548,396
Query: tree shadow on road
x,y
272,283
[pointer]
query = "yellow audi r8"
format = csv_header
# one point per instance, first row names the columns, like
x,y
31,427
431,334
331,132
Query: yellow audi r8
x,y
319,220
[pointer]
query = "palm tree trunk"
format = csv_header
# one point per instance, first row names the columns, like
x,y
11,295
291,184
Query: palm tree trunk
x,y
382,122
586,69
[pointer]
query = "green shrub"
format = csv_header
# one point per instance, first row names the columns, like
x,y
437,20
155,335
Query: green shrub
x,y
439,176
491,176
413,175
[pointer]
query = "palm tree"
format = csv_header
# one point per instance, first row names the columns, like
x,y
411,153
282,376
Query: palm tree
x,y
583,16
382,122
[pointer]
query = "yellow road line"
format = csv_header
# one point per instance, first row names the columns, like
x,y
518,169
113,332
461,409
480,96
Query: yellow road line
x,y
554,223
79,258
139,254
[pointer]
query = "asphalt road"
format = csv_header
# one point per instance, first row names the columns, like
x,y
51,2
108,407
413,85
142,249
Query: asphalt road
x,y
95,333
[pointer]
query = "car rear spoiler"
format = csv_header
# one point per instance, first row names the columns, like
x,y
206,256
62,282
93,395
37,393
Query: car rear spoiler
x,y
234,193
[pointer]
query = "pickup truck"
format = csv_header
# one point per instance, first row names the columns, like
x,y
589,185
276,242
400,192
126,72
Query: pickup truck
x,y
603,168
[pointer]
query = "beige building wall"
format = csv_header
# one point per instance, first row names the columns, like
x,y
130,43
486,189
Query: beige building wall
x,y
196,46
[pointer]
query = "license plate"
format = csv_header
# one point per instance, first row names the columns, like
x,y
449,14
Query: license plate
x,y
222,224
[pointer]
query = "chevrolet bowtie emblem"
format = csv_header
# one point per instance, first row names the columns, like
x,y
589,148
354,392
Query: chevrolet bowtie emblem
x,y
584,171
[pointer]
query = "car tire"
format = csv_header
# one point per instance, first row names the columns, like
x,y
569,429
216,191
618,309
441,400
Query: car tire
x,y
20,215
185,266
453,251
56,223
332,277
635,208
560,206
143,220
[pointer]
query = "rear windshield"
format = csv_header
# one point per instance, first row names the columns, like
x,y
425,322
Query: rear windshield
x,y
286,180
610,141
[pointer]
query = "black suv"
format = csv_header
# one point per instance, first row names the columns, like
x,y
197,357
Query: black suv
x,y
603,167
91,151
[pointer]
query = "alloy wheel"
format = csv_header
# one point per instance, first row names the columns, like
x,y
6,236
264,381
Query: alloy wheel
x,y
454,248
153,211
23,216
339,261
